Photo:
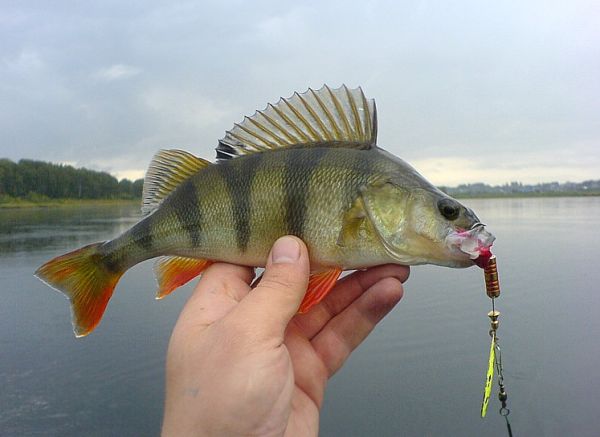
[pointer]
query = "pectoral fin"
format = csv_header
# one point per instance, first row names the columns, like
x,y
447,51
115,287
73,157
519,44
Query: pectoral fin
x,y
174,271
319,285
354,220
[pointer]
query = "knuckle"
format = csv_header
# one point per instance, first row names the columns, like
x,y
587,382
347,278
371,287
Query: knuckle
x,y
276,283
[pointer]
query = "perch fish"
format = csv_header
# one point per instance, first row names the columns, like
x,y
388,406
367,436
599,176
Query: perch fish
x,y
307,166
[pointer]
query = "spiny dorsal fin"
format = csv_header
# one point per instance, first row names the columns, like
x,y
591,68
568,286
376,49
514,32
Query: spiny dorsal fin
x,y
339,117
168,169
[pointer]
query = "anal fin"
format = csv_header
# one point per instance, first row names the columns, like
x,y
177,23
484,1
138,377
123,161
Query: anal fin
x,y
174,271
319,284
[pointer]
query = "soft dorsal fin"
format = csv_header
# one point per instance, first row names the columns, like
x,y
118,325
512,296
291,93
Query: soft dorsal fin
x,y
339,117
168,169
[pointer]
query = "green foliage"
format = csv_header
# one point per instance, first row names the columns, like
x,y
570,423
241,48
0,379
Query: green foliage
x,y
38,181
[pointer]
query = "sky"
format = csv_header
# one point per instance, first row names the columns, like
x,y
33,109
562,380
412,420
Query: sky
x,y
466,91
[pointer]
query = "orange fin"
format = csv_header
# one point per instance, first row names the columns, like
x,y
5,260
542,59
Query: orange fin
x,y
88,282
319,285
174,271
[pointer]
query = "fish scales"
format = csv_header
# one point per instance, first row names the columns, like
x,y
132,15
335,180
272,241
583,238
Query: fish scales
x,y
238,178
303,193
298,172
225,205
189,218
254,200
248,202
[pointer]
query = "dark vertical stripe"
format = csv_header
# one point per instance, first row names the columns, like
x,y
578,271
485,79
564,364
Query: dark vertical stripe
x,y
112,261
300,165
238,175
142,233
186,206
358,165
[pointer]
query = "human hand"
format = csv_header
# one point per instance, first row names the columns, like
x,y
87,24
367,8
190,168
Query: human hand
x,y
242,362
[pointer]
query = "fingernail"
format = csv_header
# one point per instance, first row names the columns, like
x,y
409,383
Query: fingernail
x,y
286,250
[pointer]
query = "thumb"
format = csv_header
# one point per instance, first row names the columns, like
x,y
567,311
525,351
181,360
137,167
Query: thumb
x,y
278,295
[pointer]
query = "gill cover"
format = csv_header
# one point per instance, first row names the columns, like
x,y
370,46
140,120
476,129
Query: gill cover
x,y
381,208
387,208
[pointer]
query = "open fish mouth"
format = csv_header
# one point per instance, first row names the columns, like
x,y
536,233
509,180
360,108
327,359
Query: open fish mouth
x,y
475,242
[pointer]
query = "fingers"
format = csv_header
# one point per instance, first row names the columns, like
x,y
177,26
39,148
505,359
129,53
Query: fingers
x,y
277,297
310,375
349,328
346,291
223,278
222,286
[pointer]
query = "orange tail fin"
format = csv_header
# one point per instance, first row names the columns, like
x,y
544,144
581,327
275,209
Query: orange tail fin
x,y
318,286
174,271
84,278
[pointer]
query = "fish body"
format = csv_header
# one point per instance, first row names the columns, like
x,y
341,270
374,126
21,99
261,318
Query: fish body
x,y
234,210
308,167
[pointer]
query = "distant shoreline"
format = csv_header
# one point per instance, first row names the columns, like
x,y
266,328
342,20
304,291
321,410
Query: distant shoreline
x,y
524,195
61,203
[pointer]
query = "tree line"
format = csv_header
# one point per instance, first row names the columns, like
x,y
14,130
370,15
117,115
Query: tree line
x,y
28,178
585,187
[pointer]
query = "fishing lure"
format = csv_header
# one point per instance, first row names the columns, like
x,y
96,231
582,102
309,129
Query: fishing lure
x,y
492,288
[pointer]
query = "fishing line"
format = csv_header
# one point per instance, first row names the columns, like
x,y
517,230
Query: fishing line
x,y
492,289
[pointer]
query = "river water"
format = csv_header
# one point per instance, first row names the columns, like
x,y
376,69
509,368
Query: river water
x,y
420,373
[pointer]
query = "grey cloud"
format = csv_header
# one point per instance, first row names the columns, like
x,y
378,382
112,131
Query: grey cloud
x,y
116,72
106,85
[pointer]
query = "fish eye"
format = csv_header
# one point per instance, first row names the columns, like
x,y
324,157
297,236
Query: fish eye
x,y
449,209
